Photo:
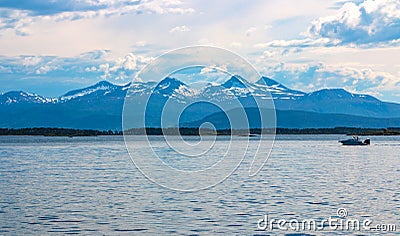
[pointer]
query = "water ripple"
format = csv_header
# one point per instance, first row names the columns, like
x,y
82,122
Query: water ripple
x,y
89,186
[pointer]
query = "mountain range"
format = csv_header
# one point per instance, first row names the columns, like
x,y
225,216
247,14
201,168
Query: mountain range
x,y
100,106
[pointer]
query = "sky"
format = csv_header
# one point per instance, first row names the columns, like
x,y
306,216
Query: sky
x,y
50,47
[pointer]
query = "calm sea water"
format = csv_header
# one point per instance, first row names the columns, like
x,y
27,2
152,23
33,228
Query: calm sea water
x,y
89,185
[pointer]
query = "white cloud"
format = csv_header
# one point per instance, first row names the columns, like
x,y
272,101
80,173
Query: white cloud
x,y
307,42
250,30
182,28
371,23
355,78
213,69
279,52
124,67
20,19
45,69
31,60
91,69
73,27
94,55
367,23
86,65
207,69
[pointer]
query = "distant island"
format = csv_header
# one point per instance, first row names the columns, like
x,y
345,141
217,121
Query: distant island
x,y
196,131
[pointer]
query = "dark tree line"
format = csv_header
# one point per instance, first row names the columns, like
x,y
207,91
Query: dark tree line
x,y
341,130
57,132
196,131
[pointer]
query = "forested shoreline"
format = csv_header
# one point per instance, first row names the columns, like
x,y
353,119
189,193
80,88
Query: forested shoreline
x,y
196,131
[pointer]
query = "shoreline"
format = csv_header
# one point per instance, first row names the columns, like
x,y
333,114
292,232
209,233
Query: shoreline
x,y
65,132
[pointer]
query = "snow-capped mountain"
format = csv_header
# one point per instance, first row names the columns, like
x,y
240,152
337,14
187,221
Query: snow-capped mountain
x,y
173,88
339,101
169,87
20,97
100,106
277,90
100,89
235,87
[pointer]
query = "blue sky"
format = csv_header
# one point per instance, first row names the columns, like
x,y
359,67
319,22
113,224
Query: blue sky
x,y
50,47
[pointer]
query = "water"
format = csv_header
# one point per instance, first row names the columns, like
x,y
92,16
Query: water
x,y
88,185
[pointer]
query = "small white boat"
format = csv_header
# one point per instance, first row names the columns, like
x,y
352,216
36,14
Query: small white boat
x,y
355,141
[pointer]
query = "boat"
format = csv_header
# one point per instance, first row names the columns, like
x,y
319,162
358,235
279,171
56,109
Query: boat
x,y
355,141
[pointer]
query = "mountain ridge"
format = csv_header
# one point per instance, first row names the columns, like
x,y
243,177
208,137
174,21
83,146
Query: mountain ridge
x,y
100,105
104,85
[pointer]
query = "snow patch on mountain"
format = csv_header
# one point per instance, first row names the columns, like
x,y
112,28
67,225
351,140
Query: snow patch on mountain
x,y
103,86
24,97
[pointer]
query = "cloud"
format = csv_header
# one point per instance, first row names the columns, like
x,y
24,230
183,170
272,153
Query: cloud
x,y
19,15
200,76
250,30
367,23
276,52
89,65
40,7
207,69
307,42
54,75
182,28
213,69
53,7
355,78
124,67
31,60
94,55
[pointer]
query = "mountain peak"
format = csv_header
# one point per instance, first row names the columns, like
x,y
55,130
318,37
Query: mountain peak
x,y
171,80
270,82
235,81
103,86
169,86
331,91
100,106
103,83
340,93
